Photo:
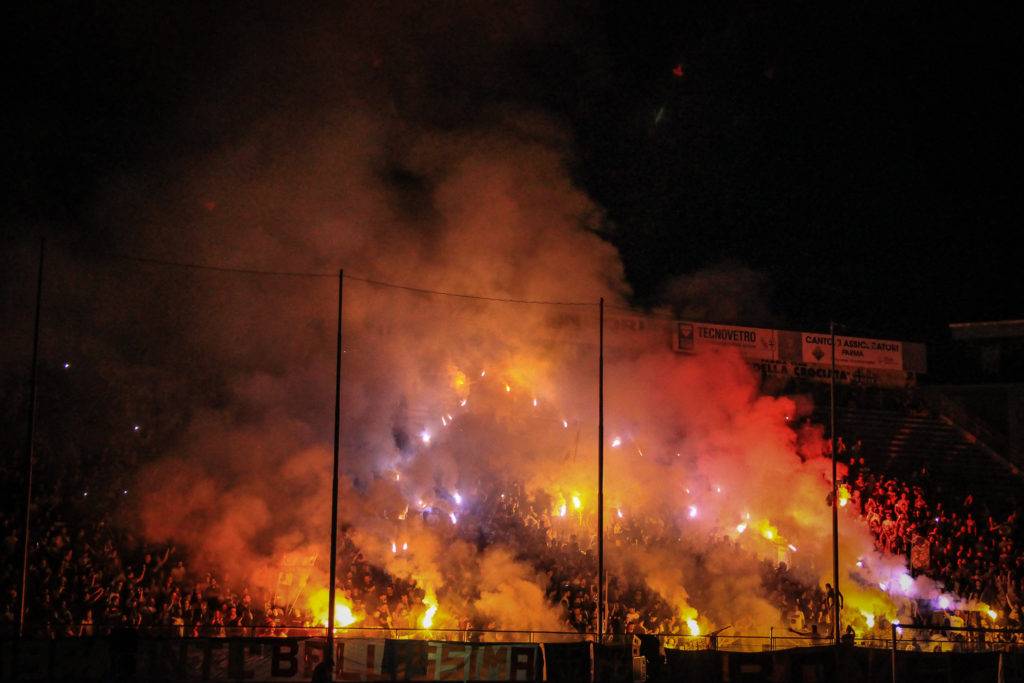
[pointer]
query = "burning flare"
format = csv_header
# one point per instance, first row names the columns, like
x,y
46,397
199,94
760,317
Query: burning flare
x,y
319,602
427,619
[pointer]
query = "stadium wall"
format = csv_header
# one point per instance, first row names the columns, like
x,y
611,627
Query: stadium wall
x,y
269,660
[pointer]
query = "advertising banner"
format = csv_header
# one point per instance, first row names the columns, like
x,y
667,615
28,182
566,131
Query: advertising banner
x,y
754,343
265,660
879,354
780,371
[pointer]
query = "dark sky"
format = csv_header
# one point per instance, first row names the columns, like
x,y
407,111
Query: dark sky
x,y
858,155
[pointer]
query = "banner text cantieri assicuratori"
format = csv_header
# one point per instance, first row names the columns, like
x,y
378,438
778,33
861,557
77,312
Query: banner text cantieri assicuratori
x,y
808,355
777,354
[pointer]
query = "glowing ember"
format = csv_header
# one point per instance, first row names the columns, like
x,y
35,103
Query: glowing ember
x,y
458,498
463,402
844,495
562,510
508,388
394,547
451,516
565,424
405,546
576,502
693,511
616,442
459,381
884,586
425,436
741,527
534,403
619,512
792,547
768,533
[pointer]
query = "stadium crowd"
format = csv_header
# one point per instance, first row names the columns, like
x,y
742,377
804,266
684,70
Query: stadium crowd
x,y
959,543
88,575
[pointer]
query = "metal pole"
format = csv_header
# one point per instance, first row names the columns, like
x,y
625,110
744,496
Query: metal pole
x,y
30,443
894,653
334,485
835,488
601,611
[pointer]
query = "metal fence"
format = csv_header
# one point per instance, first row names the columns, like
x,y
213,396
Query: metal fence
x,y
930,638
908,638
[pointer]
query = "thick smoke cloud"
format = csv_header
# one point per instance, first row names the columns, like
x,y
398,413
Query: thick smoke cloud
x,y
727,292
389,177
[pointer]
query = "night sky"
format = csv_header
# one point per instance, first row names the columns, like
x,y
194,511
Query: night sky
x,y
848,161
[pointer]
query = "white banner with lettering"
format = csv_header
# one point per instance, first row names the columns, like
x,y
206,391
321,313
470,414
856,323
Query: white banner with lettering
x,y
754,343
868,353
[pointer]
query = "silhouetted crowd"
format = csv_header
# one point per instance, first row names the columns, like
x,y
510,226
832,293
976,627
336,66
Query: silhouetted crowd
x,y
88,575
959,543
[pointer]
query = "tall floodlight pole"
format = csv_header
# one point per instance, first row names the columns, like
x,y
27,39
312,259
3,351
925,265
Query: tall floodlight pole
x,y
601,612
835,487
30,444
334,485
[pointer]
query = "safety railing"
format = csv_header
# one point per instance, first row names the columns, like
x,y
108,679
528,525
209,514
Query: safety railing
x,y
932,638
909,637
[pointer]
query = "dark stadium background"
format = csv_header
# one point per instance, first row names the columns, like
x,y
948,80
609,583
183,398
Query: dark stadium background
x,y
858,158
